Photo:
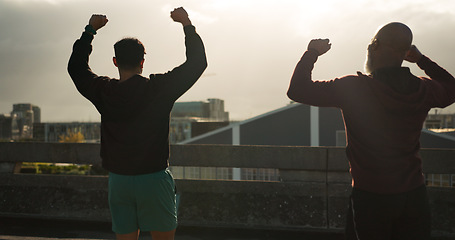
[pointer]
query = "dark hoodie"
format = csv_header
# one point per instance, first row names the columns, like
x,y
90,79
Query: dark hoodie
x,y
383,116
135,113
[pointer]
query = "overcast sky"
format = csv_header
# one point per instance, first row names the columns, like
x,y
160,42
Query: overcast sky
x,y
252,45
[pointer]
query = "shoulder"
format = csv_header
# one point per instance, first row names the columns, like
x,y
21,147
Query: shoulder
x,y
358,79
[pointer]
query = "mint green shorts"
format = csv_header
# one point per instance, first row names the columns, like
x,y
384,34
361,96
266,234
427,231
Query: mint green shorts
x,y
146,202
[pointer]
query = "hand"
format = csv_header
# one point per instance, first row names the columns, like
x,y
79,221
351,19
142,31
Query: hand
x,y
321,46
98,21
413,55
181,16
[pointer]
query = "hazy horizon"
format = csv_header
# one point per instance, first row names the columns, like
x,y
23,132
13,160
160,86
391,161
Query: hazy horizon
x,y
252,46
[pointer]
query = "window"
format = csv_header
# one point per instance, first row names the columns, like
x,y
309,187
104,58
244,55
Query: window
x,y
438,180
177,172
192,173
208,173
259,174
224,173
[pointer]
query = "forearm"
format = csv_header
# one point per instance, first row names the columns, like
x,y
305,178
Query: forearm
x,y
78,65
434,71
180,79
442,83
195,51
301,78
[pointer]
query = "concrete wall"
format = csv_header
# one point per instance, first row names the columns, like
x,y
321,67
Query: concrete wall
x,y
312,194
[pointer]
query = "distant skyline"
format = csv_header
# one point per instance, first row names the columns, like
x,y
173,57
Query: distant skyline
x,y
252,46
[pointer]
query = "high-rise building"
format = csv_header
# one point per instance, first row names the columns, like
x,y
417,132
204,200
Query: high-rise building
x,y
36,114
23,116
190,119
23,113
6,127
211,110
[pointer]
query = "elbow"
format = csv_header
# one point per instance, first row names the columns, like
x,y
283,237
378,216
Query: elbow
x,y
291,94
205,64
296,97
70,70
202,65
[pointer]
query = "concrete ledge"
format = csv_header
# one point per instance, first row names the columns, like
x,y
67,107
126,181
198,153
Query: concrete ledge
x,y
305,158
313,193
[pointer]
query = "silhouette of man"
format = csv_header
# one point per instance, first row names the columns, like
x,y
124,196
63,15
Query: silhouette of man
x,y
135,127
383,114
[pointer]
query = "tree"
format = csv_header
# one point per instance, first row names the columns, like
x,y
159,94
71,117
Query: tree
x,y
71,137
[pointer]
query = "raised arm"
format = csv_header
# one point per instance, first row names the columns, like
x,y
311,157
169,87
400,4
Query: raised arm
x,y
302,88
176,82
442,82
78,66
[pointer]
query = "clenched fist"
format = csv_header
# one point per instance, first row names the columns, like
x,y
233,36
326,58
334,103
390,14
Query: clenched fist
x,y
98,21
320,45
181,16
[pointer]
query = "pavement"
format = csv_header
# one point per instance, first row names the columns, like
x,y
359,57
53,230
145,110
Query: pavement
x,y
38,229
33,229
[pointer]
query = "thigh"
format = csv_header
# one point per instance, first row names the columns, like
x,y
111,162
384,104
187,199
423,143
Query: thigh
x,y
156,202
163,235
122,204
370,216
415,222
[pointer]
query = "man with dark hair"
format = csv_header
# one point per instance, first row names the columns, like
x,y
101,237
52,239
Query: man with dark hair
x,y
129,53
135,127
383,114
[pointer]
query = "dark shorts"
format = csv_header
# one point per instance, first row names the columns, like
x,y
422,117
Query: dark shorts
x,y
146,202
395,216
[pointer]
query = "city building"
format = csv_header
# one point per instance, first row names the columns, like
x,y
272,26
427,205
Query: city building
x,y
298,125
440,121
211,110
303,125
19,123
23,113
53,132
190,119
6,127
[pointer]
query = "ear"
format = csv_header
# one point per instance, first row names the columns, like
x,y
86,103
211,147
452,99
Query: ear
x,y
115,61
375,44
142,63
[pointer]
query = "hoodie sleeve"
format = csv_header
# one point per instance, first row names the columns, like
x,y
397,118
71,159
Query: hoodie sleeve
x,y
440,86
303,89
176,82
87,82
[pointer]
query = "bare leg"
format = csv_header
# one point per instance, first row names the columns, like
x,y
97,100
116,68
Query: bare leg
x,y
128,236
163,235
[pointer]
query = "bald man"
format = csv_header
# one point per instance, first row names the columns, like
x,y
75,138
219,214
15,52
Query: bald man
x,y
383,114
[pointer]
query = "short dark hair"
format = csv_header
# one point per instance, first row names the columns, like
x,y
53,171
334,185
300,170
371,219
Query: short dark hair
x,y
129,53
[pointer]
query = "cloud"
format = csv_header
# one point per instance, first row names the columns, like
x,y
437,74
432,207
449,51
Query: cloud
x,y
53,2
252,45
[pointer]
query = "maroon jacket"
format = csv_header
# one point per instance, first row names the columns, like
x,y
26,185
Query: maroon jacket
x,y
383,116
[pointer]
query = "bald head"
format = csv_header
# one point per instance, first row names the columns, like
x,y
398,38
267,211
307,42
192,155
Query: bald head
x,y
395,35
389,46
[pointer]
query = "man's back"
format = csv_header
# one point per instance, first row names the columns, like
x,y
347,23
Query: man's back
x,y
383,124
135,112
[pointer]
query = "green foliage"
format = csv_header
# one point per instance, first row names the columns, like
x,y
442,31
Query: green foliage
x,y
48,168
72,137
